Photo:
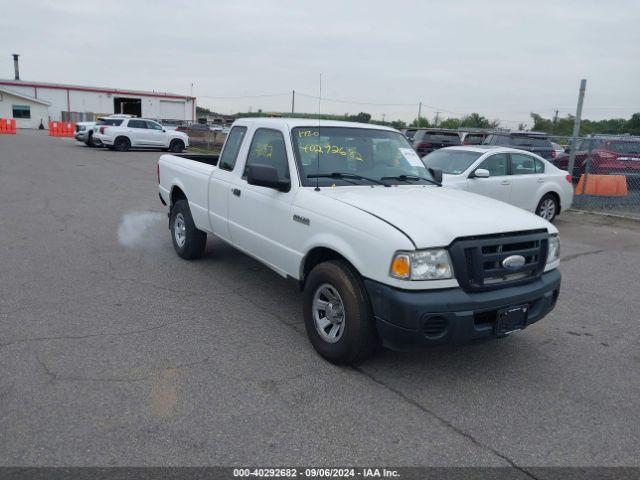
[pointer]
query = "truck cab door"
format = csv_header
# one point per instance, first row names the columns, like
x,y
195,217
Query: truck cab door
x,y
498,185
221,181
258,216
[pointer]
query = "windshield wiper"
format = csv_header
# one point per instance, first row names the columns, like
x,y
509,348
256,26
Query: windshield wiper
x,y
346,176
414,178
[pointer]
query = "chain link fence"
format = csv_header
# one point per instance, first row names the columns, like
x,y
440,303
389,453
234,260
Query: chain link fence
x,y
202,139
605,170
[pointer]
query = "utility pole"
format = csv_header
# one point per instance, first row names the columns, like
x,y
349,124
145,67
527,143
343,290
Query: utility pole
x,y
437,117
383,117
419,113
555,122
576,125
293,102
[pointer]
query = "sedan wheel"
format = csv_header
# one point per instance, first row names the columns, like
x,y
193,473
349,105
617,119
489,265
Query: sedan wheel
x,y
547,208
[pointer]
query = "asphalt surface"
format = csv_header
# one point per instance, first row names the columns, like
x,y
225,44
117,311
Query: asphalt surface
x,y
114,351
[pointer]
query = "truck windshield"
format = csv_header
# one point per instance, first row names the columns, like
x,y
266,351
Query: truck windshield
x,y
451,161
364,156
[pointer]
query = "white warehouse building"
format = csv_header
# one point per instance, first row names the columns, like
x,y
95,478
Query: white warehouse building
x,y
73,103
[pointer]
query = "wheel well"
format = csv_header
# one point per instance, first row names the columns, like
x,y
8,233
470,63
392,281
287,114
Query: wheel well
x,y
315,257
176,140
557,198
121,136
177,194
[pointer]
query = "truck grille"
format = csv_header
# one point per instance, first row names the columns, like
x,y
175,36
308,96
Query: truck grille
x,y
478,261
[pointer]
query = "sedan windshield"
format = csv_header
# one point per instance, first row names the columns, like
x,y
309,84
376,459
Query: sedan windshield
x,y
451,161
337,156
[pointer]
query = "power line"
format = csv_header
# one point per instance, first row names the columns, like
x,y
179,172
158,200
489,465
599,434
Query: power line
x,y
238,97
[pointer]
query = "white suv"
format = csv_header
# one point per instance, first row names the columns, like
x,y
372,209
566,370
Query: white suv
x,y
141,133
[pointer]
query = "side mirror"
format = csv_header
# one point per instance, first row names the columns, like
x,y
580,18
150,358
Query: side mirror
x,y
266,176
436,173
164,130
481,173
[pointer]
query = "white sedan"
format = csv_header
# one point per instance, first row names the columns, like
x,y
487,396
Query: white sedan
x,y
513,176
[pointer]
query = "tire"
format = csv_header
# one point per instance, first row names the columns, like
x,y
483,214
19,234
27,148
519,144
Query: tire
x,y
188,242
122,144
176,146
89,141
349,335
111,147
548,207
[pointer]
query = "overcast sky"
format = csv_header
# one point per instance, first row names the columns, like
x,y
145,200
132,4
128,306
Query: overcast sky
x,y
502,59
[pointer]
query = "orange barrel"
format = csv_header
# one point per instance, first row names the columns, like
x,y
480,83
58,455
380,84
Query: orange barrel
x,y
602,185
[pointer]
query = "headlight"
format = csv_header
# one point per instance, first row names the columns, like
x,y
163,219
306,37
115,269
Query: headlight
x,y
433,264
554,249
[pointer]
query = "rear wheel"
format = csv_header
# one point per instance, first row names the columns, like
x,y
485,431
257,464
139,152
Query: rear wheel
x,y
176,146
89,141
548,207
188,242
122,144
337,315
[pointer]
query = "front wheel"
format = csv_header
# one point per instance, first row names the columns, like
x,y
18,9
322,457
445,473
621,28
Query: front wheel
x,y
337,315
188,242
548,207
89,141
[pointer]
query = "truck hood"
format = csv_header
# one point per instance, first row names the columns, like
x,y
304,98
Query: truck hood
x,y
434,216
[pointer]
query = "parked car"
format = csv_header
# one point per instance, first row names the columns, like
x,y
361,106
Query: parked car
x,y
473,137
559,149
534,142
194,127
513,176
140,133
409,133
85,131
381,251
426,140
609,155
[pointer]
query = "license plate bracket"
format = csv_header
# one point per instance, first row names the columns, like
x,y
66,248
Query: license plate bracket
x,y
511,319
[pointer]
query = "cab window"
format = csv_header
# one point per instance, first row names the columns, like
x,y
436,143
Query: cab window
x,y
232,147
268,148
496,164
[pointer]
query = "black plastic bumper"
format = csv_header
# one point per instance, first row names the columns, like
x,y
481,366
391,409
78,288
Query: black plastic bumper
x,y
406,318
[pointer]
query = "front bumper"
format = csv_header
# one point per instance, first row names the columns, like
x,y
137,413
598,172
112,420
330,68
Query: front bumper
x,y
411,318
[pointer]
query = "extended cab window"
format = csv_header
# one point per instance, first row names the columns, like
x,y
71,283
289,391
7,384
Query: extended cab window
x,y
496,164
232,147
268,148
137,124
522,164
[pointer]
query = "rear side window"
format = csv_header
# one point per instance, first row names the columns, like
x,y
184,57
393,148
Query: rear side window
x,y
112,122
137,124
474,139
521,142
541,143
232,147
522,164
453,138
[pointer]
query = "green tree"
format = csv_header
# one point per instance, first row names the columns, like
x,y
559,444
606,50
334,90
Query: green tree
x,y
420,122
452,123
633,124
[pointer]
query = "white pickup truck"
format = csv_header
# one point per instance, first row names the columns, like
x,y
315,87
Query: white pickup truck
x,y
383,254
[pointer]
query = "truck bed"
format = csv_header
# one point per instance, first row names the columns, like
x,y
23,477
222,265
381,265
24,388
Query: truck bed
x,y
209,159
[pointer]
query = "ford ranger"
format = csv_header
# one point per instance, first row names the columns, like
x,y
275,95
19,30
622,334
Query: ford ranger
x,y
383,254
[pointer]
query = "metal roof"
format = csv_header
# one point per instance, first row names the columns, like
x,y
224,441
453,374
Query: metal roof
x,y
23,96
113,91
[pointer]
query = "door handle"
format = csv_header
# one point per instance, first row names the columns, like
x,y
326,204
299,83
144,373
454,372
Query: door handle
x,y
236,191
505,182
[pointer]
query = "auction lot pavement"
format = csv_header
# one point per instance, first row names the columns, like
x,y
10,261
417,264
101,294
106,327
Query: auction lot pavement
x,y
113,351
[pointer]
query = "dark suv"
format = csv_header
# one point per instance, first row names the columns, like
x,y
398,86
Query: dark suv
x,y
537,143
426,140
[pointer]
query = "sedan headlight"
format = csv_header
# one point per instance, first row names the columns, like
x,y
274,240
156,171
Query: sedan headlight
x,y
432,264
553,250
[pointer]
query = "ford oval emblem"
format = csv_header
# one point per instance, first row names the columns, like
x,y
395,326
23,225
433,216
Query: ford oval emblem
x,y
513,262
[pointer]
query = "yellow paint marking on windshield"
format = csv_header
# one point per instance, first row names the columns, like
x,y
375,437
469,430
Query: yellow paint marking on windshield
x,y
308,133
329,149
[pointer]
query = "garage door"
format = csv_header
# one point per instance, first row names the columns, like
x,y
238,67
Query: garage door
x,y
172,110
